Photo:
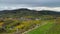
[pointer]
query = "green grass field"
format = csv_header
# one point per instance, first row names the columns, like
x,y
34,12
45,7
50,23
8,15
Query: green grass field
x,y
55,28
42,29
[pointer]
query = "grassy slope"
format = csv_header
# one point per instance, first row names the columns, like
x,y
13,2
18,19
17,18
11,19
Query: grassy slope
x,y
55,29
42,29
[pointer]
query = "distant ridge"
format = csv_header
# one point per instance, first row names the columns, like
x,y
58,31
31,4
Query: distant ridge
x,y
25,10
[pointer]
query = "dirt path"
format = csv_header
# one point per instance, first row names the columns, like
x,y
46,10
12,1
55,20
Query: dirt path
x,y
33,28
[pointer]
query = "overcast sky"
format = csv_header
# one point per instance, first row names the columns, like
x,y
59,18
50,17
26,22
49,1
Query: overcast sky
x,y
8,4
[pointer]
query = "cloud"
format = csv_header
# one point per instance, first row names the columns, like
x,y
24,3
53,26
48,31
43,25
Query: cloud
x,y
33,3
32,8
10,7
47,8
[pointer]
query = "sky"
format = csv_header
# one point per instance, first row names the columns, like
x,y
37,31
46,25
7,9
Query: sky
x,y
32,4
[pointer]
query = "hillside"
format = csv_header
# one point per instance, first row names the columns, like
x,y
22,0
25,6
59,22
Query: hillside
x,y
28,11
21,20
53,27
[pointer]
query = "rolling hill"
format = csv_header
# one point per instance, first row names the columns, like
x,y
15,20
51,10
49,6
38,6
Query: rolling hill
x,y
21,20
